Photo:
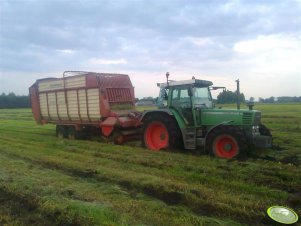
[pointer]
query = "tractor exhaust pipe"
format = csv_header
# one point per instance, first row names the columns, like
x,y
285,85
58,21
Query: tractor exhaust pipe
x,y
237,94
167,81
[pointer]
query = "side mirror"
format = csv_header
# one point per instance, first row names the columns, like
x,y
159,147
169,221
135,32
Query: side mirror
x,y
190,92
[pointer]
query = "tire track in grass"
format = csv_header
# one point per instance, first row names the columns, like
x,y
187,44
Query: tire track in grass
x,y
135,158
253,178
54,194
166,193
39,194
206,173
175,194
39,133
188,173
15,212
124,158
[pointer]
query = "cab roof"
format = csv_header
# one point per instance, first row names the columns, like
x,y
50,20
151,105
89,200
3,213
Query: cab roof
x,y
195,82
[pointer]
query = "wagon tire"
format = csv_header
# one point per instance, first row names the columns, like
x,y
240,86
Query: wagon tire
x,y
72,134
116,137
61,132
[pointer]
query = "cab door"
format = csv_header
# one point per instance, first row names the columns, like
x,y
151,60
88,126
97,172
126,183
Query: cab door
x,y
181,101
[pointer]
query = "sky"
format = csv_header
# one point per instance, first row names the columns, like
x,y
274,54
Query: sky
x,y
257,42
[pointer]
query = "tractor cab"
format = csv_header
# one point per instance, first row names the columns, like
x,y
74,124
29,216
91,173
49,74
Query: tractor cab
x,y
185,97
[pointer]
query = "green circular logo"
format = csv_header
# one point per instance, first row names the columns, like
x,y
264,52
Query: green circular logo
x,y
282,214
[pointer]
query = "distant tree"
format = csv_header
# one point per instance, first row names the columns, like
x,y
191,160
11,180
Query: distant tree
x,y
282,99
272,99
297,99
286,99
228,97
242,98
149,98
269,100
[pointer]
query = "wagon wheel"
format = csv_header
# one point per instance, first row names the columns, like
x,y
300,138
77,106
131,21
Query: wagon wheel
x,y
116,137
61,132
72,133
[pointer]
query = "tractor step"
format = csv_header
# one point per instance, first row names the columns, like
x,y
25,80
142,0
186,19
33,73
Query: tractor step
x,y
190,138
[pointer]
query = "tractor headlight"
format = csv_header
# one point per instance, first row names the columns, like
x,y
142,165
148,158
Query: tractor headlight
x,y
255,129
257,118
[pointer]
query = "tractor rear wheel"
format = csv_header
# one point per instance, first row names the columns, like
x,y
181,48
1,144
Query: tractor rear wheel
x,y
161,132
226,142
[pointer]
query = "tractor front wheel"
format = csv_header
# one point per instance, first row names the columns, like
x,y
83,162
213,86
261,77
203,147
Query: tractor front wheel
x,y
226,142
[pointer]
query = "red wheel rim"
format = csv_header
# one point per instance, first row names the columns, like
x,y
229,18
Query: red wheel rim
x,y
156,136
225,146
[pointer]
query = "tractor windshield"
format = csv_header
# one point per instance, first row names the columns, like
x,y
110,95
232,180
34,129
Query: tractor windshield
x,y
202,97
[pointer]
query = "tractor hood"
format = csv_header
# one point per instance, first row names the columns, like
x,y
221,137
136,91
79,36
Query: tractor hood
x,y
242,117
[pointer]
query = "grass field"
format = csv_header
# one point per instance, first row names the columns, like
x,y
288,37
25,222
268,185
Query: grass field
x,y
48,181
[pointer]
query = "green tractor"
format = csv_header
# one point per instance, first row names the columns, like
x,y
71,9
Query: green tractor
x,y
186,118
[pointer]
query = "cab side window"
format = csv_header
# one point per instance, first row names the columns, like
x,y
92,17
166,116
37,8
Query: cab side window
x,y
181,98
185,101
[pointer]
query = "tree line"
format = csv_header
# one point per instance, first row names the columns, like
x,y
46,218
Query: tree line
x,y
226,97
282,99
13,101
229,97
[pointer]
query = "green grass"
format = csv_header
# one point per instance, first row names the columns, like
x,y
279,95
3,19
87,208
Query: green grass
x,y
47,181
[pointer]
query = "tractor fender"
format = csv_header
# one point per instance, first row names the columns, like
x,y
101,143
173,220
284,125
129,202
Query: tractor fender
x,y
214,127
148,113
